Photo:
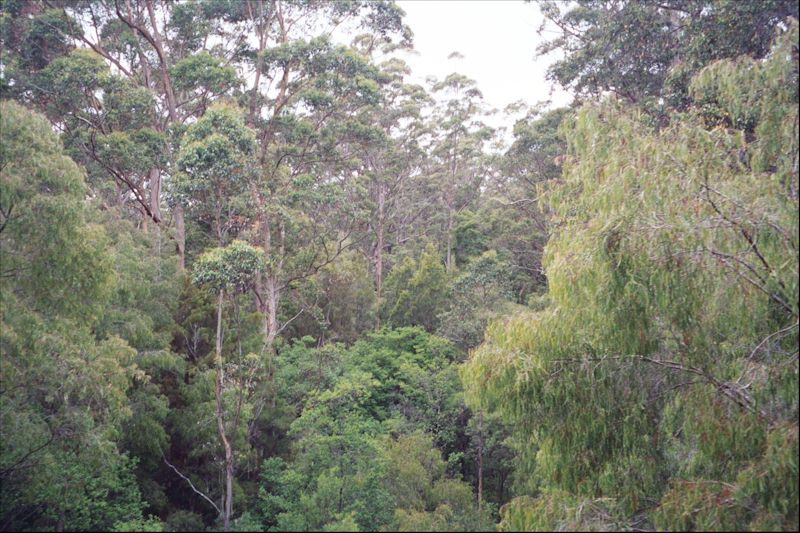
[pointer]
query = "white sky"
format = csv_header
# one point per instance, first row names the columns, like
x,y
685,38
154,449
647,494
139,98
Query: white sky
x,y
498,40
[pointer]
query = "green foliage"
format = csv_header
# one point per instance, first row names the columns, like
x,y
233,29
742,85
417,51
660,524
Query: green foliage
x,y
215,168
205,72
648,381
364,441
51,257
644,50
233,267
415,292
184,521
59,460
479,294
346,306
627,387
31,40
556,510
426,500
151,523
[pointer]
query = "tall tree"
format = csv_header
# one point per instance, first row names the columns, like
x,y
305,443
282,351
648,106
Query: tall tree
x,y
457,159
661,378
307,205
63,396
224,270
649,49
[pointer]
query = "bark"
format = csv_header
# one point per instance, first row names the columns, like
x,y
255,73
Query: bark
x,y
449,262
218,388
271,317
380,230
155,207
155,40
180,236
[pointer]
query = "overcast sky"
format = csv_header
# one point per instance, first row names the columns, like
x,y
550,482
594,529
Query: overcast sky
x,y
498,40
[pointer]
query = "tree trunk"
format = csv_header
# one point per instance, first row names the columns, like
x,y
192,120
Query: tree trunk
x,y
155,207
271,317
449,261
180,236
480,459
379,251
218,388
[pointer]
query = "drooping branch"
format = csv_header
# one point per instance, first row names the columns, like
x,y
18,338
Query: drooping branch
x,y
733,391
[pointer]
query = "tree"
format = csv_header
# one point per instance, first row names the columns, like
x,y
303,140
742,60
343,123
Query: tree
x,y
457,161
131,76
232,268
215,170
63,397
399,198
671,328
480,292
416,291
364,439
647,50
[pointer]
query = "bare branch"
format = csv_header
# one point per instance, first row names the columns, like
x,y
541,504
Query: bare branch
x,y
189,481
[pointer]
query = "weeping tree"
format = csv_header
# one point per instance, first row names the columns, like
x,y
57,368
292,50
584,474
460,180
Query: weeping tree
x,y
659,386
226,271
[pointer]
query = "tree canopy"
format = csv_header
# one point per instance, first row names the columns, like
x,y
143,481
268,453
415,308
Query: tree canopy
x,y
254,276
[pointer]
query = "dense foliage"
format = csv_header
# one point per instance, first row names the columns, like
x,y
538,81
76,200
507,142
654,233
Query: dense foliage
x,y
659,384
255,279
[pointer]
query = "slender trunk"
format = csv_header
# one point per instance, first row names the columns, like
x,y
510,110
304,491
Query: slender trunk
x,y
156,42
379,251
155,207
449,262
155,194
156,36
180,236
271,317
218,388
451,203
218,222
270,299
480,459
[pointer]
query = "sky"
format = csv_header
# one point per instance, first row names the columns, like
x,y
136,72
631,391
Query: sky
x,y
498,40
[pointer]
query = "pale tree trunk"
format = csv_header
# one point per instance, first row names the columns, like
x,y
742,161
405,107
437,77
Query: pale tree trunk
x,y
269,287
155,207
449,262
218,389
271,317
156,41
451,200
379,229
180,236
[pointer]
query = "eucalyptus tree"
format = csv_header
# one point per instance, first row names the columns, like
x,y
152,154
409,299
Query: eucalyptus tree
x,y
63,398
512,218
307,207
224,271
214,162
644,50
399,203
457,165
659,381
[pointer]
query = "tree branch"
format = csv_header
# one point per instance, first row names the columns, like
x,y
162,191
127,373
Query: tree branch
x,y
189,481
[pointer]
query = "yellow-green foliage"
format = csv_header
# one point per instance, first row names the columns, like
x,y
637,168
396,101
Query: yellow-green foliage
x,y
665,364
556,511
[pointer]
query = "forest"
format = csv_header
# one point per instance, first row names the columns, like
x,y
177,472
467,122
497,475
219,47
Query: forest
x,y
253,277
